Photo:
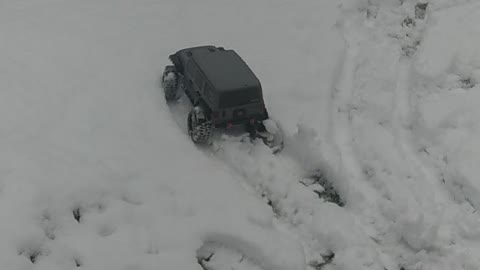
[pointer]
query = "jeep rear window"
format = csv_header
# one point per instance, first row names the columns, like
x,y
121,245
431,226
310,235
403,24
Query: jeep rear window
x,y
240,97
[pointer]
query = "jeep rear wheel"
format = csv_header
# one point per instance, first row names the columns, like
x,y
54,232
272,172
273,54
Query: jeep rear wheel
x,y
199,127
170,83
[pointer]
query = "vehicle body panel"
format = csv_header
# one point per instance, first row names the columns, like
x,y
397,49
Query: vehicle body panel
x,y
221,81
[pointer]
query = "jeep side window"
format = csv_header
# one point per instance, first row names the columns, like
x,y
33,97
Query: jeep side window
x,y
208,90
190,67
199,81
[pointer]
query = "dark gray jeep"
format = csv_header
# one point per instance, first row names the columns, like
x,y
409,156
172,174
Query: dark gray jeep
x,y
223,90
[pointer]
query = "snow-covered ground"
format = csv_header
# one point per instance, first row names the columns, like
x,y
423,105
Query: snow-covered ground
x,y
377,100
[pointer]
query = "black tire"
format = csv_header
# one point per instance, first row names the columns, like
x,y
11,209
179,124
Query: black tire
x,y
200,130
169,84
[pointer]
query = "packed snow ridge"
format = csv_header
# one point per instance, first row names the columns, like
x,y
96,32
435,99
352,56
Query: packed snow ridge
x,y
378,100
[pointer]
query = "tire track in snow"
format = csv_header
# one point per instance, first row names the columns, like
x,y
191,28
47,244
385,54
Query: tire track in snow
x,y
455,217
341,118
423,178
457,185
350,168
401,125
408,227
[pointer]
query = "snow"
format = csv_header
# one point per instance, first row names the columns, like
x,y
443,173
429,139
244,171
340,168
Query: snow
x,y
447,106
97,171
270,126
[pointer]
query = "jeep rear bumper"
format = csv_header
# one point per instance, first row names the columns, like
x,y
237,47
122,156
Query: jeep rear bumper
x,y
240,121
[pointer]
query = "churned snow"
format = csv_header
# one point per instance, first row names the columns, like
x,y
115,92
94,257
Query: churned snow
x,y
377,100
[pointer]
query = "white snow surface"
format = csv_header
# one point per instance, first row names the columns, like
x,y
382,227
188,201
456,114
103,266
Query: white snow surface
x,y
98,172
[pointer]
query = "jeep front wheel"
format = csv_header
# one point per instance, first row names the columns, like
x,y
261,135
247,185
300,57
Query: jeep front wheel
x,y
170,83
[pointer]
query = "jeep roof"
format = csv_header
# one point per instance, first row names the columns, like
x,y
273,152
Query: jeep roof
x,y
225,70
